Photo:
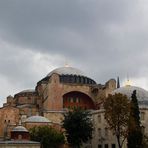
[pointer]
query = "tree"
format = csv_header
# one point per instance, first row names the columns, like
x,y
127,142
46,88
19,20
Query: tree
x,y
144,141
117,115
47,136
134,129
78,126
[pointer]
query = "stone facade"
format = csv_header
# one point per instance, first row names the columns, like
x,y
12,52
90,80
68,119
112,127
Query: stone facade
x,y
102,136
9,118
19,144
60,90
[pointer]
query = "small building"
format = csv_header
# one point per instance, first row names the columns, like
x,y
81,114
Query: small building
x,y
20,133
20,138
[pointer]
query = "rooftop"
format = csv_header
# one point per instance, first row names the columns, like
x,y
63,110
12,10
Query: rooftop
x,y
27,90
19,129
37,119
67,71
142,95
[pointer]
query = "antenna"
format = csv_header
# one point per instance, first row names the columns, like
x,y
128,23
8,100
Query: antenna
x,y
118,82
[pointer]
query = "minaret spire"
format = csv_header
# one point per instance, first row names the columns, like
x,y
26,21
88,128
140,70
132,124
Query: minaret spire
x,y
118,82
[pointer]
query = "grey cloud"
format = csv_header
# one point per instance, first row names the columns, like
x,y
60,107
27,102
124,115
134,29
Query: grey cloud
x,y
104,38
52,25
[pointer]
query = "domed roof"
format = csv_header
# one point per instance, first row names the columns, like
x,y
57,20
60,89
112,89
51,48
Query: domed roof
x,y
27,91
142,95
19,129
67,71
37,119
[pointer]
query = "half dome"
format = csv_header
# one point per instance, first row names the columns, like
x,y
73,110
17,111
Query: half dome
x,y
142,95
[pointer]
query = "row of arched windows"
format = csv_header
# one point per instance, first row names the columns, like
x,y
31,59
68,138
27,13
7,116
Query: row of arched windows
x,y
76,79
72,100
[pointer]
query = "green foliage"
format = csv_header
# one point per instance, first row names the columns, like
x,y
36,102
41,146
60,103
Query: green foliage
x,y
47,136
117,115
145,141
134,129
78,126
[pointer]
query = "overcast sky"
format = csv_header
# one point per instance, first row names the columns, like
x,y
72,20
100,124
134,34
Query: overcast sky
x,y
103,38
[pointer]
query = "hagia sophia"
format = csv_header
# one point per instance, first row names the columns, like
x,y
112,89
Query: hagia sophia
x,y
62,89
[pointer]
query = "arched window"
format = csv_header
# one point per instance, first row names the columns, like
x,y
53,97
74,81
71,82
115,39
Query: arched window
x,y
82,80
61,79
77,79
65,79
70,79
85,80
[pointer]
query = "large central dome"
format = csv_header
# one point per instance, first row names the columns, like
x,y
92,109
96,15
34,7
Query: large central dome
x,y
69,75
142,95
67,71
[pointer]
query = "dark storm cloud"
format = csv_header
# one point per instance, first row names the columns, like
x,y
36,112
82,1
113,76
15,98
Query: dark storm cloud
x,y
60,26
104,38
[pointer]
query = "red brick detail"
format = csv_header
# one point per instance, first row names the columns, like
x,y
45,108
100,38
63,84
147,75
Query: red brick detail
x,y
77,99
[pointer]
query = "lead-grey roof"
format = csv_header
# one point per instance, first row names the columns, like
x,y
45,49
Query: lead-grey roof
x,y
37,119
142,95
67,71
27,90
19,129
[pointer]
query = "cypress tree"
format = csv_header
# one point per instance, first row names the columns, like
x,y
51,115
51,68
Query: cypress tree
x,y
134,129
118,83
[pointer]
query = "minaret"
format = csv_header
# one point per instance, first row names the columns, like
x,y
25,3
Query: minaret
x,y
118,82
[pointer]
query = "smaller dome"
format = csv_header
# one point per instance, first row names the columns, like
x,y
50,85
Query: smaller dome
x,y
19,129
142,95
37,119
